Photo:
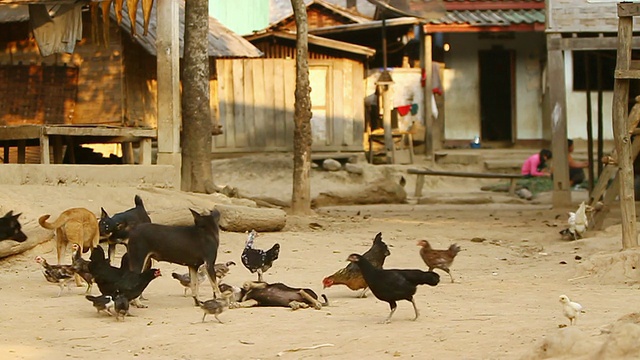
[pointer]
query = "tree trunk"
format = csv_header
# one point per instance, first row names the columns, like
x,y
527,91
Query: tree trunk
x,y
196,113
301,197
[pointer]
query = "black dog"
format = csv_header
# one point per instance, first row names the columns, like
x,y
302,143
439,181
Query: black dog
x,y
10,228
185,245
116,229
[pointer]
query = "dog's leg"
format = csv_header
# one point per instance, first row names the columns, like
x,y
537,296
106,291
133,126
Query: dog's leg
x,y
61,244
111,251
213,279
244,304
295,305
193,284
260,275
316,304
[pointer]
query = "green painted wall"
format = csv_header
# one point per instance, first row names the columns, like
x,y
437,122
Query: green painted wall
x,y
241,16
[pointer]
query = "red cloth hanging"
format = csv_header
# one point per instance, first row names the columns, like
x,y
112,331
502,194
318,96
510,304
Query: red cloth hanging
x,y
403,110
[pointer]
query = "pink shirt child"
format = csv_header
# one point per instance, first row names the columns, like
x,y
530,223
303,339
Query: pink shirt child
x,y
530,166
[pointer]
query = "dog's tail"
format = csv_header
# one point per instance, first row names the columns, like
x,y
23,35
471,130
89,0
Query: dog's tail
x,y
54,225
326,301
138,201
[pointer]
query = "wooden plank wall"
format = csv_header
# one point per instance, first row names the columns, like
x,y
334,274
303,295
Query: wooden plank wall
x,y
256,105
582,16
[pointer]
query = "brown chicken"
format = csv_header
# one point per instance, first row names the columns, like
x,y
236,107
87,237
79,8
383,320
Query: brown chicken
x,y
351,275
438,259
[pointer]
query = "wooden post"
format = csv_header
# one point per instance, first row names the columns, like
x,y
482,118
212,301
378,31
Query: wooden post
x,y
169,108
5,158
589,121
57,150
44,148
600,152
427,66
621,132
127,152
390,148
144,155
22,151
558,118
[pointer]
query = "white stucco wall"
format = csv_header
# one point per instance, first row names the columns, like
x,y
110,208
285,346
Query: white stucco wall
x,y
577,107
461,84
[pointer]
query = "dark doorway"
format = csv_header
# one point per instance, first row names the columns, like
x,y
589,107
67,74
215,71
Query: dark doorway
x,y
496,95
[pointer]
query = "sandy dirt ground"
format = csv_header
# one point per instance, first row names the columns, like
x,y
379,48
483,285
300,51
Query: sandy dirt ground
x,y
503,304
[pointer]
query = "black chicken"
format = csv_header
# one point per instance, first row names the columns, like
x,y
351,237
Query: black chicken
x,y
391,285
81,267
121,306
112,281
257,260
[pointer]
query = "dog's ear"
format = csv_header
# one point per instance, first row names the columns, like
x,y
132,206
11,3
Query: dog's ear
x,y
196,216
215,214
103,214
15,217
9,214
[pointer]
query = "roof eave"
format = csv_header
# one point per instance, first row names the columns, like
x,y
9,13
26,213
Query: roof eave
x,y
365,26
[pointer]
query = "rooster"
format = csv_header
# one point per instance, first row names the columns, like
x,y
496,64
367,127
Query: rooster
x,y
438,259
351,275
578,223
256,260
392,285
56,274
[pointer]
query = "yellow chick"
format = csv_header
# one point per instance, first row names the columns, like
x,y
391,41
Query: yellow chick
x,y
570,309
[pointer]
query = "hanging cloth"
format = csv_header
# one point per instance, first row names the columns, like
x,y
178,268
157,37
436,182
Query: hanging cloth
x,y
56,28
403,110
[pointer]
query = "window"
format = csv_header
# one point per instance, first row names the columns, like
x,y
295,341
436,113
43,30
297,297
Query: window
x,y
585,68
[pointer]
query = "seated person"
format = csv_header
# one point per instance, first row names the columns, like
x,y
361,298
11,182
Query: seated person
x,y
536,164
576,172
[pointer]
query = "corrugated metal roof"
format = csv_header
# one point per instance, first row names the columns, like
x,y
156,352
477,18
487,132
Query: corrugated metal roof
x,y
14,13
318,41
472,2
280,9
223,43
491,17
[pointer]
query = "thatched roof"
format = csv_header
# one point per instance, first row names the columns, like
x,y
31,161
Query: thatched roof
x,y
223,43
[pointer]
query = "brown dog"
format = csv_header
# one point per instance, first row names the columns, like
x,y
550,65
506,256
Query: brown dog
x,y
76,226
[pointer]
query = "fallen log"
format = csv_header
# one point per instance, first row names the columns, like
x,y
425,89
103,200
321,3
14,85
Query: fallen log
x,y
242,218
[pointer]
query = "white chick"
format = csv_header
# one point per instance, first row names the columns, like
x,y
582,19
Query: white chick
x,y
570,309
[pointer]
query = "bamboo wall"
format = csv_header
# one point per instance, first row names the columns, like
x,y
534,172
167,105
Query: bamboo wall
x,y
94,72
256,105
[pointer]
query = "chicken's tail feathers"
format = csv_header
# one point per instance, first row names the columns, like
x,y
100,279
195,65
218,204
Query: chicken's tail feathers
x,y
91,298
454,249
175,275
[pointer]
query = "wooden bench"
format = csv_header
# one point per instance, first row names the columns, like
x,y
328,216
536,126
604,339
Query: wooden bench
x,y
513,178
